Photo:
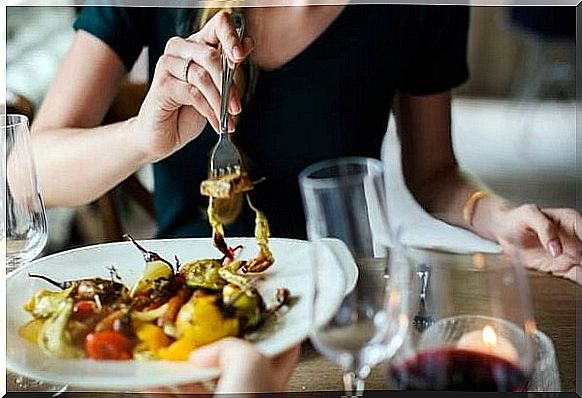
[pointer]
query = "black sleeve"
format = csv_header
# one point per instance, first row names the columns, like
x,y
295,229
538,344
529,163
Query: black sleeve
x,y
124,29
439,60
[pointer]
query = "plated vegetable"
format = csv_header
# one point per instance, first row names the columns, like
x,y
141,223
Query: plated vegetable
x,y
170,311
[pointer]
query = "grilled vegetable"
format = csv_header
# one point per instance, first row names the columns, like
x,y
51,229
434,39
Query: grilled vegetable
x,y
46,303
53,337
226,186
156,268
202,274
200,321
248,306
265,258
166,315
101,291
108,344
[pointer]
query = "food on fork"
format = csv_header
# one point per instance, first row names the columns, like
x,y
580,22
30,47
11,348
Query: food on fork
x,y
264,258
226,186
168,312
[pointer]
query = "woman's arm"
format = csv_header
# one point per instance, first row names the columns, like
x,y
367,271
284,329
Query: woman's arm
x,y
77,161
430,169
546,239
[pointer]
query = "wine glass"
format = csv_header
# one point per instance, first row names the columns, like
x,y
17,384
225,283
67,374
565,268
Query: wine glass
x,y
346,217
473,327
24,227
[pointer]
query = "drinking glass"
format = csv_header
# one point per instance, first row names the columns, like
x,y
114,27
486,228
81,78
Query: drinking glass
x,y
346,217
24,228
473,327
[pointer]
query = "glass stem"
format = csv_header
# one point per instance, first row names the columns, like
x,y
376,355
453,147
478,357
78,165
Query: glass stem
x,y
353,384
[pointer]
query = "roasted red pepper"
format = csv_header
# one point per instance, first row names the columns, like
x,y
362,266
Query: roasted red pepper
x,y
83,309
108,344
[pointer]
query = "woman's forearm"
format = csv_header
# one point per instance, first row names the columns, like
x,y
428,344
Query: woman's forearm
x,y
446,195
77,166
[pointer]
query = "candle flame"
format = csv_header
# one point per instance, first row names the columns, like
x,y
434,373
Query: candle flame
x,y
489,336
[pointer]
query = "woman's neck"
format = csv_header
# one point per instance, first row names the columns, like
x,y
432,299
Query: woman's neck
x,y
281,33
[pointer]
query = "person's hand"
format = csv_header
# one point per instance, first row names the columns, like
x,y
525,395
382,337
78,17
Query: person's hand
x,y
186,88
547,240
243,369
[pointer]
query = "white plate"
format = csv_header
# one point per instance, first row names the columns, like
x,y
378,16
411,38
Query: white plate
x,y
293,269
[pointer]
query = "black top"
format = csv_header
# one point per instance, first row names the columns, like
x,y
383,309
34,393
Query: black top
x,y
331,100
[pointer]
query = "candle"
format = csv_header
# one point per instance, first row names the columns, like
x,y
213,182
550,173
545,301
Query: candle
x,y
487,341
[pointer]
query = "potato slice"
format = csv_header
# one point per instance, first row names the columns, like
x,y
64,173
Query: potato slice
x,y
154,270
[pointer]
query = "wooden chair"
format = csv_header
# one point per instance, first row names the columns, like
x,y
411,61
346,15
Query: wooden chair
x,y
18,103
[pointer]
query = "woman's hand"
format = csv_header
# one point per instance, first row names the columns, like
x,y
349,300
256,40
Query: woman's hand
x,y
548,240
186,88
243,368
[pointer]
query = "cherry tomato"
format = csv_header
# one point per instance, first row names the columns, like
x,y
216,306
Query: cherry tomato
x,y
108,344
83,309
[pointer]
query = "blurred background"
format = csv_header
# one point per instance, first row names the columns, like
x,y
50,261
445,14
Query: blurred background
x,y
513,121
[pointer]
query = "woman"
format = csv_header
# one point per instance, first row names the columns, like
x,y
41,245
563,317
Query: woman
x,y
320,83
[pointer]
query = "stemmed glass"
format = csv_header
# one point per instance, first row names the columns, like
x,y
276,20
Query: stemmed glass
x,y
473,327
345,210
24,227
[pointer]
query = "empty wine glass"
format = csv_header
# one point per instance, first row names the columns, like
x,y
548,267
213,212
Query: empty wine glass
x,y
481,334
346,217
24,228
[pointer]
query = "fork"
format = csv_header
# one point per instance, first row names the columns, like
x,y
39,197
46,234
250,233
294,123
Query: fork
x,y
422,320
226,158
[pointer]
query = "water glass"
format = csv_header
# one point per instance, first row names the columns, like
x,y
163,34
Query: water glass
x,y
25,229
345,209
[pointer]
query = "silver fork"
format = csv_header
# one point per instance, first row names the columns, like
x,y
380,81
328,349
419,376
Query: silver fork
x,y
422,320
226,158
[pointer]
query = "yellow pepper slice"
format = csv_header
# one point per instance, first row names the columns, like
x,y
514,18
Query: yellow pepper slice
x,y
153,336
198,323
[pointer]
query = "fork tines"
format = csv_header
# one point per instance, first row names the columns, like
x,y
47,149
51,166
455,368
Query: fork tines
x,y
228,170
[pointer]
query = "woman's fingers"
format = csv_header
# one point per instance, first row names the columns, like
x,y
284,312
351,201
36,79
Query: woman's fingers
x,y
544,228
220,353
204,55
569,219
241,363
178,92
220,30
569,223
196,76
208,61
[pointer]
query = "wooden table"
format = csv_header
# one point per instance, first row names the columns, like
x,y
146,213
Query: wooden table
x,y
555,311
554,301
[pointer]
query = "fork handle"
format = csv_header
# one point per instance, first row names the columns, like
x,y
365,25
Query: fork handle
x,y
228,73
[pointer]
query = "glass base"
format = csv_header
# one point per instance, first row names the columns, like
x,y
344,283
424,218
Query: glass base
x,y
12,264
17,383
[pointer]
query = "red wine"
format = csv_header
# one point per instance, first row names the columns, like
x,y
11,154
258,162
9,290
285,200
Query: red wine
x,y
451,369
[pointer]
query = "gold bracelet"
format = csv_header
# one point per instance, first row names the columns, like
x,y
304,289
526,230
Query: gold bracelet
x,y
469,208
